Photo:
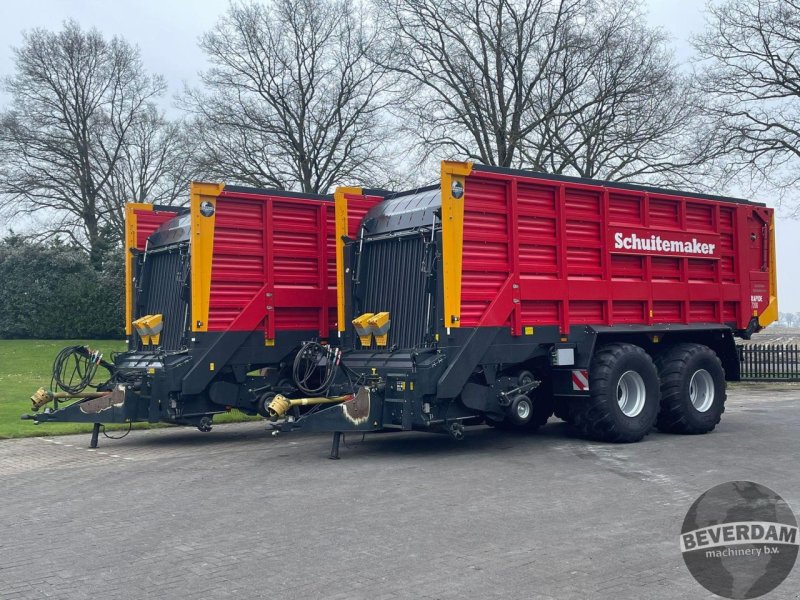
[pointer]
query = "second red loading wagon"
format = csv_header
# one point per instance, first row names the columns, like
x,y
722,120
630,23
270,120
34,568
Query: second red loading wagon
x,y
501,296
219,297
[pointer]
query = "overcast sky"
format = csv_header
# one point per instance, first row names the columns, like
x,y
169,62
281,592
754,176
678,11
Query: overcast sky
x,y
166,31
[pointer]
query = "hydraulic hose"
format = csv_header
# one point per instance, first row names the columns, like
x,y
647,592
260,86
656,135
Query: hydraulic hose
x,y
74,368
315,360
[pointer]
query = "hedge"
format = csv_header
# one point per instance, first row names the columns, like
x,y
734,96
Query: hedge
x,y
51,291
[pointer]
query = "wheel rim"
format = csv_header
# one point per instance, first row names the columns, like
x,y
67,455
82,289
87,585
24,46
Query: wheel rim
x,y
631,393
523,410
701,390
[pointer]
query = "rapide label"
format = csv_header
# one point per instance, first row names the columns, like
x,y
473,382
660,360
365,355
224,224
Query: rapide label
x,y
672,243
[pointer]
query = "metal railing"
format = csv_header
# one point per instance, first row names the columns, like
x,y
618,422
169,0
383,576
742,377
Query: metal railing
x,y
769,362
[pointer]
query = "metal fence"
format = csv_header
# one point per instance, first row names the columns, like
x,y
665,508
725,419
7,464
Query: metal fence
x,y
769,362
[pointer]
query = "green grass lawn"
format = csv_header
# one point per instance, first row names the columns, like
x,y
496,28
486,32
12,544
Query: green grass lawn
x,y
25,366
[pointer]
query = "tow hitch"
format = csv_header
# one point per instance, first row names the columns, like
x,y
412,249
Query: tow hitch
x,y
73,371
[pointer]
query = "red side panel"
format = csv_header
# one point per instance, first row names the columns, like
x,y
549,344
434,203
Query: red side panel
x,y
543,252
274,262
487,258
270,260
147,221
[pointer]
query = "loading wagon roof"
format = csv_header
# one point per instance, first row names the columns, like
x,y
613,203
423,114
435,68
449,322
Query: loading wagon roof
x,y
240,189
177,209
404,210
614,184
174,231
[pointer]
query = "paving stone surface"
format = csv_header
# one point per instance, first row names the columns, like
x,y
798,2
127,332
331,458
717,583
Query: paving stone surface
x,y
237,513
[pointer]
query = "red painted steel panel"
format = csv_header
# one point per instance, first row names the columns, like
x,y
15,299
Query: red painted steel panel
x,y
486,261
625,209
238,233
730,311
147,221
627,267
541,312
665,268
700,217
696,260
667,311
580,203
629,311
264,245
665,213
591,312
274,262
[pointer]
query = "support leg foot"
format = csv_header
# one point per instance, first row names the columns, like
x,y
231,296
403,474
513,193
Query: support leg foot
x,y
337,435
95,434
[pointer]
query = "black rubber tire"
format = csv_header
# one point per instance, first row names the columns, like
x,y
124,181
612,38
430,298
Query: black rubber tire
x,y
542,399
676,366
599,416
512,416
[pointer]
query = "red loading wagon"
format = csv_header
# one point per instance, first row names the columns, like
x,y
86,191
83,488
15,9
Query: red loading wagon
x,y
219,297
501,296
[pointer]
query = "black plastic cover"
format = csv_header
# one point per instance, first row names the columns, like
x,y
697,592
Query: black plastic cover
x,y
407,211
175,231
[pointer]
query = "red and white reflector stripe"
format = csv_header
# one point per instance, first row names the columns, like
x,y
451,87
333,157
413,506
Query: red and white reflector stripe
x,y
580,380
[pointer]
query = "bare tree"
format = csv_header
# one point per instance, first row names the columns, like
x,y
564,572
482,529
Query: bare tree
x,y
630,115
156,161
477,72
567,86
750,59
291,100
75,97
